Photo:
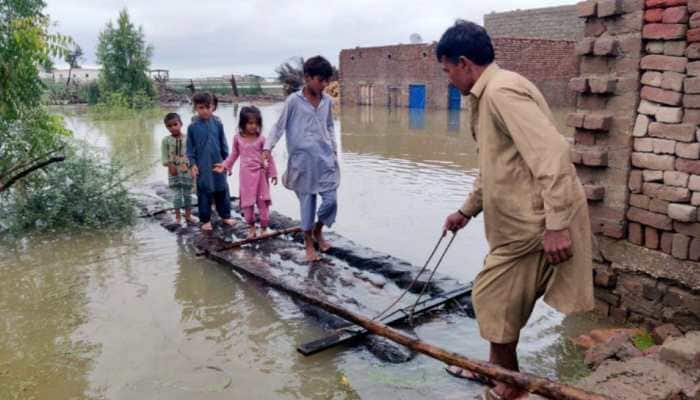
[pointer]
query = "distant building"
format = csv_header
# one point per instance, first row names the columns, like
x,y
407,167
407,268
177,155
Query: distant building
x,y
410,76
83,75
553,23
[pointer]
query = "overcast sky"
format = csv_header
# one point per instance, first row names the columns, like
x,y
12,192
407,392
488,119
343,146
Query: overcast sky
x,y
215,37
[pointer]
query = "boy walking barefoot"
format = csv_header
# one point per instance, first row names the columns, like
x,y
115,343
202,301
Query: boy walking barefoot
x,y
312,167
174,158
206,147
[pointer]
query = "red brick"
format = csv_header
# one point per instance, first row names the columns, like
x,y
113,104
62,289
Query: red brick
x,y
664,31
693,51
585,47
694,183
667,193
682,212
594,27
594,192
672,81
605,46
578,85
597,122
575,120
679,132
636,234
644,145
652,176
693,35
688,229
691,116
608,8
681,245
614,230
691,101
691,85
675,48
651,237
645,217
676,178
658,206
595,158
663,146
654,15
694,253
661,96
675,15
664,3
602,85
664,63
652,78
586,8
585,138
691,151
695,20
653,161
666,243
635,182
689,166
639,201
693,6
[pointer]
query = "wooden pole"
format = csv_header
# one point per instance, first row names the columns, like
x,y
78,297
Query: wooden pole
x,y
531,383
268,235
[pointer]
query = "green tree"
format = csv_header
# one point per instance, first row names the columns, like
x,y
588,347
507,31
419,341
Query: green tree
x,y
125,58
73,57
29,136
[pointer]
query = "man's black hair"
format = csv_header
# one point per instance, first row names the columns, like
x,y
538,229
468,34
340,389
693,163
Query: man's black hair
x,y
465,39
318,66
247,113
170,117
202,98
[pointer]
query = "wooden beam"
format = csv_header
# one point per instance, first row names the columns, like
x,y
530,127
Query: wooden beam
x,y
531,383
344,336
259,238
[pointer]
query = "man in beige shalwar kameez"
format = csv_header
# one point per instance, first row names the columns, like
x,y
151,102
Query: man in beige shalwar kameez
x,y
535,209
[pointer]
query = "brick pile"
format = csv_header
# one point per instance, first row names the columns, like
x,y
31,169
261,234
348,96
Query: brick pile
x,y
665,180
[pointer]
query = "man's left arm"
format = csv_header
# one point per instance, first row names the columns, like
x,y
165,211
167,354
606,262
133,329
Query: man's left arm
x,y
548,156
330,125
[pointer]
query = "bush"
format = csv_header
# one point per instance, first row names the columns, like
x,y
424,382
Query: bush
x,y
84,191
116,105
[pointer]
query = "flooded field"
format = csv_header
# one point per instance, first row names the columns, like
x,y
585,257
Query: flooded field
x,y
131,314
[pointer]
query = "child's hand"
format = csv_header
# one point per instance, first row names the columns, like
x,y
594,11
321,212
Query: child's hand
x,y
266,155
273,180
194,171
219,168
172,169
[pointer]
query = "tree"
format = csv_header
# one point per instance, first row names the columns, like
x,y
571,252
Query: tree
x,y
125,59
29,136
73,57
291,74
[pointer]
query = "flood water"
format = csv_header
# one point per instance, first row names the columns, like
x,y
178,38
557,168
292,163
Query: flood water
x,y
131,314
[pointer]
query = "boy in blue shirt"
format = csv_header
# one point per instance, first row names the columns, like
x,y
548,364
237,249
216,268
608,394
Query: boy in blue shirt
x,y
206,146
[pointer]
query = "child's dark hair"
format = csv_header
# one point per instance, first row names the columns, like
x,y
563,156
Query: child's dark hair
x,y
247,114
169,117
318,66
203,98
465,39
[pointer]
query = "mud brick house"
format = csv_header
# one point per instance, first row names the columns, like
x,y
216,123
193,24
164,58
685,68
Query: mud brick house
x,y
637,150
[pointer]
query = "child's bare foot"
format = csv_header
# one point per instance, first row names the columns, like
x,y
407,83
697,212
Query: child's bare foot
x,y
263,230
229,222
177,217
207,227
191,220
311,255
323,245
252,232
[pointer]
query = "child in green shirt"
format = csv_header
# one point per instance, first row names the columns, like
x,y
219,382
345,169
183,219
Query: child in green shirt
x,y
173,152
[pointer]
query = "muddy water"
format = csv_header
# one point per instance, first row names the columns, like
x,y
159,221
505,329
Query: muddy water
x,y
131,314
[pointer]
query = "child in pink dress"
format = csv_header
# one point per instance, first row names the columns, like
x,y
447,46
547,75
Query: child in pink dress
x,y
255,171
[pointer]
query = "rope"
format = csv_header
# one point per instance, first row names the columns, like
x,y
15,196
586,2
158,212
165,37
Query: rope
x,y
425,267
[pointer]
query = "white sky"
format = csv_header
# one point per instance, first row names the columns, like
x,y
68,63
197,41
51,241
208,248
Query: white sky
x,y
215,37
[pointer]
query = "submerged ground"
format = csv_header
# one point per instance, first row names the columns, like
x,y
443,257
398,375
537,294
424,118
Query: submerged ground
x,y
133,314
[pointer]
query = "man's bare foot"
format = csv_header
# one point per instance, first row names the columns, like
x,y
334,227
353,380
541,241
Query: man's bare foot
x,y
462,373
323,245
207,227
503,392
229,222
252,232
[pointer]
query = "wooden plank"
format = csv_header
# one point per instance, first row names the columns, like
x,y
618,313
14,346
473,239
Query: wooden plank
x,y
530,382
349,335
268,235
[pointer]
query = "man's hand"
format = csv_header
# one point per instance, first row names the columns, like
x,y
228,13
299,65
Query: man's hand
x,y
557,246
273,180
172,169
454,222
194,171
218,168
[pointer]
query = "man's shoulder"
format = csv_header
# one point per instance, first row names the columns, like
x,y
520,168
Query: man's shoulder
x,y
509,82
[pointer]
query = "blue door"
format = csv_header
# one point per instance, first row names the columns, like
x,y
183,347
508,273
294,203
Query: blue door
x,y
416,96
454,98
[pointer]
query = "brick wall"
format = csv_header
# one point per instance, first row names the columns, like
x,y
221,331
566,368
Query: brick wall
x,y
637,151
389,70
557,23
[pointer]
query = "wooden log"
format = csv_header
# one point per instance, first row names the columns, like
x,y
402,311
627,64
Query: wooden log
x,y
268,235
531,383
149,214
